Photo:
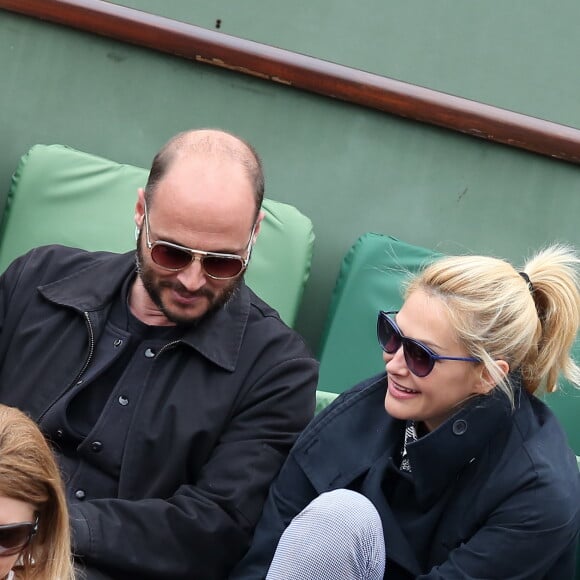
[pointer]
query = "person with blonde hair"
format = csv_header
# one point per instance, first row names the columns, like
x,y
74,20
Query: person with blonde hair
x,y
34,525
468,474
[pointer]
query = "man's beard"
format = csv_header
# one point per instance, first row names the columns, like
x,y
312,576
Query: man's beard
x,y
153,287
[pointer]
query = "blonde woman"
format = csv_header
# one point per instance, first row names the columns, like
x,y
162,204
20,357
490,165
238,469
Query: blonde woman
x,y
34,527
468,473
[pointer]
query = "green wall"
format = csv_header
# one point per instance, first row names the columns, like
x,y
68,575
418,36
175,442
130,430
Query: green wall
x,y
351,170
520,55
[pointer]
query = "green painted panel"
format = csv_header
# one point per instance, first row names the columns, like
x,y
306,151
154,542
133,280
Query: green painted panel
x,y
520,55
349,169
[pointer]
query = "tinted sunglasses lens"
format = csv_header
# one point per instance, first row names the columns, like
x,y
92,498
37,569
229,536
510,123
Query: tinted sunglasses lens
x,y
419,360
171,258
14,538
222,267
389,337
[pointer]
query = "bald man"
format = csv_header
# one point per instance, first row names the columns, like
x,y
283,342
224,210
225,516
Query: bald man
x,y
170,391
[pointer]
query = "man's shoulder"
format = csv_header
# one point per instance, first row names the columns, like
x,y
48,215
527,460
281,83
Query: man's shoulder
x,y
260,309
264,317
59,272
56,255
56,261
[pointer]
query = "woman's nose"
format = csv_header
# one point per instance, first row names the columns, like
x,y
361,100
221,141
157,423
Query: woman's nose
x,y
395,362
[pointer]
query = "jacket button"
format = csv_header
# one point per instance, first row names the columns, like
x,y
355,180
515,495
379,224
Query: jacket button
x,y
118,342
123,400
149,353
80,494
96,446
459,427
59,433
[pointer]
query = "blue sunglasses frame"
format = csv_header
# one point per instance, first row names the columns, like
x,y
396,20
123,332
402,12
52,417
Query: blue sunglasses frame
x,y
419,357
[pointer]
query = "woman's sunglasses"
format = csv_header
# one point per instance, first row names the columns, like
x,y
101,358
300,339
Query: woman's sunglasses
x,y
419,357
216,265
15,537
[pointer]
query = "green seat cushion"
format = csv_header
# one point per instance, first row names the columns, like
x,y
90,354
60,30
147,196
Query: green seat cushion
x,y
323,399
566,405
64,196
565,402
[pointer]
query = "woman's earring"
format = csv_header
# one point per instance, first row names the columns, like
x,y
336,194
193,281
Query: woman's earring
x,y
137,232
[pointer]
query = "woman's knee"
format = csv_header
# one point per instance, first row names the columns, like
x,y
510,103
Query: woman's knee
x,y
343,508
338,535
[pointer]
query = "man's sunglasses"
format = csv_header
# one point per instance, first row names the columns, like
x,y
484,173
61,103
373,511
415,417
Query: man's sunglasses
x,y
419,357
216,265
15,537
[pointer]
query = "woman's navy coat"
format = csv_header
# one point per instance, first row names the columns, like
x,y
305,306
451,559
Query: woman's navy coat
x,y
502,488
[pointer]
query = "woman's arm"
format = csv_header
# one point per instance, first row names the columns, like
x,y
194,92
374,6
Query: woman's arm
x,y
530,535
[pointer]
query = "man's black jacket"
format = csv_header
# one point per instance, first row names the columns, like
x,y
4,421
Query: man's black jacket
x,y
216,416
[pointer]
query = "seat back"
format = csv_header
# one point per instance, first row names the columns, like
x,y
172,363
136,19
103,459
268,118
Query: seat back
x,y
565,402
370,279
64,196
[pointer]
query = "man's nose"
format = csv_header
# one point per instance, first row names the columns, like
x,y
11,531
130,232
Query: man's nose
x,y
193,276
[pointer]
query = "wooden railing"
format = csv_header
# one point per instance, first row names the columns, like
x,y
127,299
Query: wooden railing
x,y
308,73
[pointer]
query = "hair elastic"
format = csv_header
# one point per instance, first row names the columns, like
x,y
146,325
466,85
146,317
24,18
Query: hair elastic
x,y
528,281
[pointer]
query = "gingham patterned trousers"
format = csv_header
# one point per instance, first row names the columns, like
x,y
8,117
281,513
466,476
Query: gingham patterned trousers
x,y
338,536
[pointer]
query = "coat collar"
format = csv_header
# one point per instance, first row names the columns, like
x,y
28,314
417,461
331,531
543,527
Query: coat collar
x,y
359,424
217,337
438,457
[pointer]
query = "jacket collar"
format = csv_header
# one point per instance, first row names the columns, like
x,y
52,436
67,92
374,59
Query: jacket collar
x,y
438,457
218,337
435,458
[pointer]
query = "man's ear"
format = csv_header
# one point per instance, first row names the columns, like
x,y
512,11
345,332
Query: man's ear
x,y
487,383
140,208
261,216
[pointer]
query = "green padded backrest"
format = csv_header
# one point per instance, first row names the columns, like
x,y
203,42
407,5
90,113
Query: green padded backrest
x,y
370,280
323,399
60,195
565,402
